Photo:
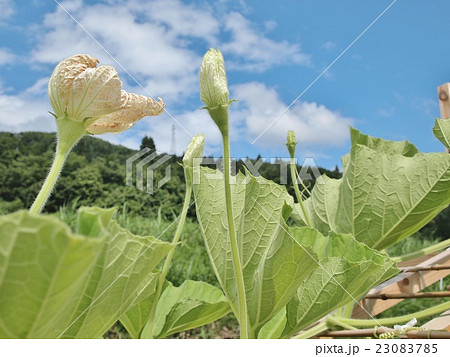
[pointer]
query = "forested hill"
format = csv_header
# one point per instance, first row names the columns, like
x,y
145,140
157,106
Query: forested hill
x,y
94,175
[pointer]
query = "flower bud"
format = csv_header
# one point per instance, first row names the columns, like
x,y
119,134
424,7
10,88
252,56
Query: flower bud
x,y
192,157
214,88
291,143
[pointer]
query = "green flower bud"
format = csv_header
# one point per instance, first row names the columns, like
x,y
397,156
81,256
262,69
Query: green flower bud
x,y
214,88
192,157
291,143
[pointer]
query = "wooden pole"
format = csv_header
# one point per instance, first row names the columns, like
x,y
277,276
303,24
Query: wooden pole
x,y
431,294
442,322
405,282
433,267
444,102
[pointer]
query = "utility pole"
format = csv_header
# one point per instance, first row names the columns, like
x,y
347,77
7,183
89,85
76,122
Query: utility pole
x,y
173,146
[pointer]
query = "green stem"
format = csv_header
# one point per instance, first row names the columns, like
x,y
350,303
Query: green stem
x,y
314,331
50,181
302,183
166,266
398,319
69,133
297,192
418,253
235,254
334,321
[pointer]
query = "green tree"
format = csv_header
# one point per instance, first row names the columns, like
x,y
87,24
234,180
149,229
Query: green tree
x,y
147,142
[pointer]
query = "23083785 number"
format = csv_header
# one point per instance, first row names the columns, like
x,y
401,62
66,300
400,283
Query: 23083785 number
x,y
406,348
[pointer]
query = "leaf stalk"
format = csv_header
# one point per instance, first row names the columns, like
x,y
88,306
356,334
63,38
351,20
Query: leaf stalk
x,y
168,261
235,253
297,191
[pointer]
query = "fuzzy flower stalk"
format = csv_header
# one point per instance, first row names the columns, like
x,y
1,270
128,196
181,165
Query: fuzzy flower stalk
x,y
215,95
291,144
191,165
88,99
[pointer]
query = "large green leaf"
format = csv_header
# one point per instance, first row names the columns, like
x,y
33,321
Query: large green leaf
x,y
55,283
346,270
193,304
135,318
43,269
273,263
385,198
441,131
322,206
404,147
275,327
386,193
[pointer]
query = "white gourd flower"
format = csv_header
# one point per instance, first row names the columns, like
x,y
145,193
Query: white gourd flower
x,y
82,92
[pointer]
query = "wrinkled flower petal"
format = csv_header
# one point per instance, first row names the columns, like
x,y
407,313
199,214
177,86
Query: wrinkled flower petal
x,y
94,97
104,127
134,108
61,80
95,92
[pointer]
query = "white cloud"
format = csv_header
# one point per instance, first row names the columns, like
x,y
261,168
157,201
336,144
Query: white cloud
x,y
26,111
161,43
160,129
6,56
255,51
181,19
158,41
329,46
7,9
151,40
315,125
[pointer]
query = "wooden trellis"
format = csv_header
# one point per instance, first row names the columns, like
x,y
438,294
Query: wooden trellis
x,y
407,282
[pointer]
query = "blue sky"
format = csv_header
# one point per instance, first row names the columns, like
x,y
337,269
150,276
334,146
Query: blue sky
x,y
384,85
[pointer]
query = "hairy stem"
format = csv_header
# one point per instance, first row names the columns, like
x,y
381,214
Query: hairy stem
x,y
69,133
235,254
165,269
50,181
396,320
331,320
418,253
297,191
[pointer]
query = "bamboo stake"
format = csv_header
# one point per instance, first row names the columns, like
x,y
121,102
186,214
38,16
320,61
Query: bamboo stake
x,y
444,102
431,294
433,267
